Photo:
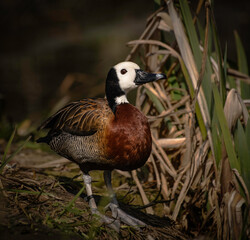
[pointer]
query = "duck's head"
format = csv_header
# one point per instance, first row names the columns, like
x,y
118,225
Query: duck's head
x,y
124,77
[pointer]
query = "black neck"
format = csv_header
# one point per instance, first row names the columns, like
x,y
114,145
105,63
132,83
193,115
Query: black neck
x,y
113,89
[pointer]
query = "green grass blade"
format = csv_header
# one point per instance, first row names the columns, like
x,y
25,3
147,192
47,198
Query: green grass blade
x,y
243,151
242,65
13,154
225,130
201,31
246,164
192,35
70,204
216,139
8,145
248,133
155,100
195,45
219,60
197,108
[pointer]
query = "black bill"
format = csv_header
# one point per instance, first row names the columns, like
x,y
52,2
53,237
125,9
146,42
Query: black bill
x,y
143,77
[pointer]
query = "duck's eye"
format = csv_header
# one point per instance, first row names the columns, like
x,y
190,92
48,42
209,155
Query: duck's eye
x,y
123,71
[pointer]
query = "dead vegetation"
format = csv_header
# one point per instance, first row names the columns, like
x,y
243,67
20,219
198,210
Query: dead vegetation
x,y
40,197
196,159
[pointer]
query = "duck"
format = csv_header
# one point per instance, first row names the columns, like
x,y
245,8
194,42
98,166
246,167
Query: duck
x,y
105,134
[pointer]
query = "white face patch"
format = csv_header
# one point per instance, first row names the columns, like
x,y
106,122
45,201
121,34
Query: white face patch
x,y
126,74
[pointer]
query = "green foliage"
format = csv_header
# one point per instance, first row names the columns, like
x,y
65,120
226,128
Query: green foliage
x,y
219,59
225,130
217,140
242,65
71,203
194,42
242,143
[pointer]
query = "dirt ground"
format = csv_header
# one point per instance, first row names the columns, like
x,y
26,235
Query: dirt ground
x,y
37,200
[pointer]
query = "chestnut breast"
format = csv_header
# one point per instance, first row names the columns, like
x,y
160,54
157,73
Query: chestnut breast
x,y
128,138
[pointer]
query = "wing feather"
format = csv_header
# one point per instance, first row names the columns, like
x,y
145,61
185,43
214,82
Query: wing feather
x,y
84,117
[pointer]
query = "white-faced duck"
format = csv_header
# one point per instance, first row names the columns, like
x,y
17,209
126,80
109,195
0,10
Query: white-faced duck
x,y
105,134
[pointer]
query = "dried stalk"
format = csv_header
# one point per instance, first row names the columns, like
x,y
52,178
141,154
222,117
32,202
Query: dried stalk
x,y
169,171
157,176
145,200
164,156
171,143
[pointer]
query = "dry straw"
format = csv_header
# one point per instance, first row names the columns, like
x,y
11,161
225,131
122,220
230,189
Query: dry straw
x,y
195,160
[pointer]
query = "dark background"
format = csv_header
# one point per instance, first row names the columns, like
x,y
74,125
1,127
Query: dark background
x,y
45,42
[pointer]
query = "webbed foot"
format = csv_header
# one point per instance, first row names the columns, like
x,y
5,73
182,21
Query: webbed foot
x,y
119,214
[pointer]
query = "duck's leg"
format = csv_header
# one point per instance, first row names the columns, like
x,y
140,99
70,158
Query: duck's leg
x,y
107,179
87,181
92,204
117,212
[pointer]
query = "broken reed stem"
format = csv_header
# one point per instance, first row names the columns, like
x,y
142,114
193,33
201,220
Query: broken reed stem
x,y
178,180
186,162
170,110
181,196
188,133
198,9
157,176
171,143
151,89
158,156
145,200
239,75
200,153
164,155
164,187
164,159
156,42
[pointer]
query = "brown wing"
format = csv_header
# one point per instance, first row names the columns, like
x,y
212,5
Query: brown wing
x,y
83,117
